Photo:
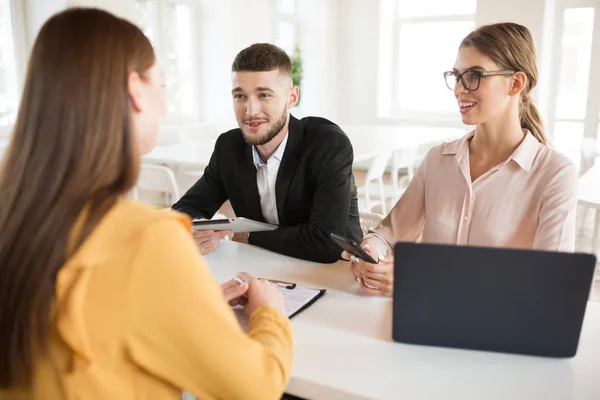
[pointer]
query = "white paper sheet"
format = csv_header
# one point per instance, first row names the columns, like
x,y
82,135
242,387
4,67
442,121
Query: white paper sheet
x,y
293,299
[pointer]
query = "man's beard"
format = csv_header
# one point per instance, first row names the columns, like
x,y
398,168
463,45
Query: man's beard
x,y
270,134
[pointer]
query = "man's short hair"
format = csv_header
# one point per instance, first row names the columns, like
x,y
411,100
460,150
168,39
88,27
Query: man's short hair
x,y
262,57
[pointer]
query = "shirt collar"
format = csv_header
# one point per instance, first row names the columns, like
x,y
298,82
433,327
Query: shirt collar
x,y
523,155
526,152
278,154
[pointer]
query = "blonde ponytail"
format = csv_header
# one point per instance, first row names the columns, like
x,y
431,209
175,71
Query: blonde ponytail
x,y
531,119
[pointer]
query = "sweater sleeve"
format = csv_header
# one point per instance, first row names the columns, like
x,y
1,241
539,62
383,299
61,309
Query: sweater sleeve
x,y
184,332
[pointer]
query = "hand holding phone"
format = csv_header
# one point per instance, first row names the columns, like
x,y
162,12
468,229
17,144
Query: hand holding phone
x,y
353,248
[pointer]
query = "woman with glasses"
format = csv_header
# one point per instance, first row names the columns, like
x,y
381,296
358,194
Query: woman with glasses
x,y
501,185
101,297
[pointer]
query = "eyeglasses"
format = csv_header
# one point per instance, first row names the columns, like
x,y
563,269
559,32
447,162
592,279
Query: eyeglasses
x,y
471,79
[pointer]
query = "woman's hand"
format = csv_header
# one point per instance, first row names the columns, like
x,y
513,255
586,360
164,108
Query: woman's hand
x,y
374,279
234,291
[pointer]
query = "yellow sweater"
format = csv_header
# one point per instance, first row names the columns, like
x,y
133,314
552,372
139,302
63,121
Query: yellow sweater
x,y
138,316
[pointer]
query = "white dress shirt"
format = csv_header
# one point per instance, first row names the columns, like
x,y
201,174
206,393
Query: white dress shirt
x,y
266,176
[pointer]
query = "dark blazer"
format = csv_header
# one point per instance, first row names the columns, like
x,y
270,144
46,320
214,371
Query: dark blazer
x,y
314,190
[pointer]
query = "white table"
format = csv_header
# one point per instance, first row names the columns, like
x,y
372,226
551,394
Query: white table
x,y
368,142
343,346
182,155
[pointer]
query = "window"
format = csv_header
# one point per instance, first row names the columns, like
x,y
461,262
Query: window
x,y
418,42
573,115
169,24
285,25
8,85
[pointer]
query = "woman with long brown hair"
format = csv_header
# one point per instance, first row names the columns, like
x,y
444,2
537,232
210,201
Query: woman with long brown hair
x,y
501,185
100,297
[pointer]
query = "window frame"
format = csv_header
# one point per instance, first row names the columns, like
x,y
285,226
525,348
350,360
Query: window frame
x,y
157,16
591,119
14,68
292,19
395,109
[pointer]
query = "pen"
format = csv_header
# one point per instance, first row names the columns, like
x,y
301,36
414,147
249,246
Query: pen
x,y
287,285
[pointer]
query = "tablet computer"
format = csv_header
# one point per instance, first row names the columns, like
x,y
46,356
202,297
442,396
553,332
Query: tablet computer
x,y
234,225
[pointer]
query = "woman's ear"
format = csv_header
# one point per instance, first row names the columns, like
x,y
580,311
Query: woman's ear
x,y
518,83
135,89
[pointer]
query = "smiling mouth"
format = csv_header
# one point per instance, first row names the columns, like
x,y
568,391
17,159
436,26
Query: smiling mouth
x,y
255,124
466,106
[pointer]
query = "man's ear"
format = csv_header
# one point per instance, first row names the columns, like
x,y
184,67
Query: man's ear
x,y
135,89
518,83
293,96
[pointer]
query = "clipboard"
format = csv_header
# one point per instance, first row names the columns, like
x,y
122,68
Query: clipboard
x,y
309,295
296,299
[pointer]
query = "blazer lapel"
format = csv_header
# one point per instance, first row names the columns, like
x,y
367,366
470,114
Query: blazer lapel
x,y
288,165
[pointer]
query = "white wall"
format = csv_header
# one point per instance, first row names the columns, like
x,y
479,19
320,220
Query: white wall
x,y
251,23
538,17
339,42
36,13
217,54
317,38
122,8
228,26
358,31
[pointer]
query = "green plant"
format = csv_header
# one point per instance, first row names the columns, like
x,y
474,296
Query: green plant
x,y
297,73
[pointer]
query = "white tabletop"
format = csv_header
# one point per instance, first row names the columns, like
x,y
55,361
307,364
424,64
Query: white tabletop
x,y
367,141
343,346
184,155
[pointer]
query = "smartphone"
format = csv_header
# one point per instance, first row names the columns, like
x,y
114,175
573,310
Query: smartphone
x,y
352,247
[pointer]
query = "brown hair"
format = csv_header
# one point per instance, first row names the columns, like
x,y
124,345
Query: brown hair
x,y
511,46
262,57
72,148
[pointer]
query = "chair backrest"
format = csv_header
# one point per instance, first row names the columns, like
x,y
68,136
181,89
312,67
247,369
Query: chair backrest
x,y
425,147
369,220
405,157
378,165
158,178
589,152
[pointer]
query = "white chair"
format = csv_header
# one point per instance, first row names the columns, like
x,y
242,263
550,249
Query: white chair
x,y
589,153
369,220
589,188
375,174
402,159
423,150
157,178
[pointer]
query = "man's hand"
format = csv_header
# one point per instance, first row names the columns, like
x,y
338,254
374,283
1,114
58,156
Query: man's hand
x,y
207,241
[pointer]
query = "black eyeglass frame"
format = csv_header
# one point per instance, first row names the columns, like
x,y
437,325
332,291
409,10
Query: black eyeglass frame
x,y
479,74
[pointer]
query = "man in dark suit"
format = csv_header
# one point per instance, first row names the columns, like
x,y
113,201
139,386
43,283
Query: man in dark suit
x,y
296,174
